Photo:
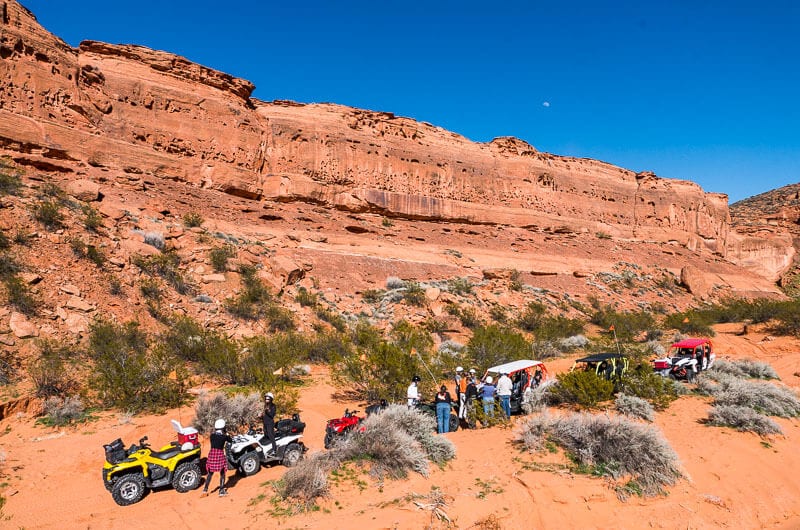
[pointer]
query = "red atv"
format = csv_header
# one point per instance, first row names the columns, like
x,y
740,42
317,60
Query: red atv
x,y
338,427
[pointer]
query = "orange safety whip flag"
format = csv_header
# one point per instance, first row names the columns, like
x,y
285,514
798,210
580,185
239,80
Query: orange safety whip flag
x,y
611,328
686,320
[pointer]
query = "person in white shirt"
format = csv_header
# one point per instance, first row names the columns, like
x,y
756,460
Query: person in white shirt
x,y
412,394
504,389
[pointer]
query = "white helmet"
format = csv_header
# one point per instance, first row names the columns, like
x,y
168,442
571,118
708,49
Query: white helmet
x,y
219,424
489,379
472,370
460,369
269,395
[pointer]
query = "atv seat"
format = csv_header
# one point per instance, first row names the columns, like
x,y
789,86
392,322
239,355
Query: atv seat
x,y
165,455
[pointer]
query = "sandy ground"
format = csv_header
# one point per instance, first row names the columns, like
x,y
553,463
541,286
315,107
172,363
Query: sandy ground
x,y
51,477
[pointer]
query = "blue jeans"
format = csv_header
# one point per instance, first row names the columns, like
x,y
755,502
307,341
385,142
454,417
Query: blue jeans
x,y
443,417
488,406
505,404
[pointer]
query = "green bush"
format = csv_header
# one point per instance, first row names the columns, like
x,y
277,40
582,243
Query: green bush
x,y
128,375
150,289
332,317
19,295
515,283
270,359
192,220
219,257
373,296
643,383
558,327
460,286
414,294
279,318
165,265
50,373
328,345
493,345
530,319
10,177
92,219
584,388
626,325
59,412
306,298
690,322
48,213
252,301
467,315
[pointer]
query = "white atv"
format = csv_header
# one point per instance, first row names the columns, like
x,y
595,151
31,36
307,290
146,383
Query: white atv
x,y
248,452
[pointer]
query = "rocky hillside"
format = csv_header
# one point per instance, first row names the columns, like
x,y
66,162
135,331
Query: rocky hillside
x,y
121,113
328,198
770,214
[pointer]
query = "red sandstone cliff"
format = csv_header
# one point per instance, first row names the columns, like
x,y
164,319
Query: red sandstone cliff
x,y
122,112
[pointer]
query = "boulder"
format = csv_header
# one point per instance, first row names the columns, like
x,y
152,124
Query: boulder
x,y
497,274
695,281
76,324
212,278
21,327
83,190
79,304
70,289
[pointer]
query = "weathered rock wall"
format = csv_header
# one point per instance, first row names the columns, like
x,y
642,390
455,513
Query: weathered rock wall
x,y
127,112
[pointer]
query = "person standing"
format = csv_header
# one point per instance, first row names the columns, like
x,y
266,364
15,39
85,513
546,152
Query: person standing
x,y
443,403
461,393
269,421
412,394
472,395
487,394
216,460
504,389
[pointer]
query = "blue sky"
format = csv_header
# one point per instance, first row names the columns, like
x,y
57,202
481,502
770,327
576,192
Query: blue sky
x,y
707,91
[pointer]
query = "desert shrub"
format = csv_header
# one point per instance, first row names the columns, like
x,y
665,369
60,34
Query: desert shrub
x,y
492,345
239,411
787,321
538,397
414,294
279,318
373,296
49,373
306,298
515,281
8,265
745,368
558,327
332,317
610,446
150,289
467,315
643,383
5,242
10,177
19,295
48,213
743,419
393,282
327,345
460,286
92,219
252,301
63,411
270,359
192,220
766,398
626,325
155,239
219,257
127,374
572,343
394,442
22,238
498,313
545,349
9,366
530,319
374,367
584,388
691,322
164,265
635,407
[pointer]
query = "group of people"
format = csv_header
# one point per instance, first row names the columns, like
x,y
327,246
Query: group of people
x,y
468,390
217,462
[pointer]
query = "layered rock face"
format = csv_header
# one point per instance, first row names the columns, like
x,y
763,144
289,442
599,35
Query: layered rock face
x,y
126,112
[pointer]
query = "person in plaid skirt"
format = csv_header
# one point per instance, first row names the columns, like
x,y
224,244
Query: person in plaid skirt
x,y
216,460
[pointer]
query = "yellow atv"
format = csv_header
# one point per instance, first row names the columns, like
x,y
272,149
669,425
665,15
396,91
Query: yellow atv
x,y
127,474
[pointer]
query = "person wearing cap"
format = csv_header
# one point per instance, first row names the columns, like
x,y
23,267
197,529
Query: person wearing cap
x,y
443,403
216,460
269,421
461,392
504,389
487,394
471,396
412,394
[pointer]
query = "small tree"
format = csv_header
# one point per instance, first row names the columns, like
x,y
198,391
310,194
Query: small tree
x,y
492,345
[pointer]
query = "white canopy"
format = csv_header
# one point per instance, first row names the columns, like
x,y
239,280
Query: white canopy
x,y
512,367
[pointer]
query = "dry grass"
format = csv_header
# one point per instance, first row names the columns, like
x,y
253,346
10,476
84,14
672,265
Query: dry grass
x,y
635,407
746,368
743,419
238,411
